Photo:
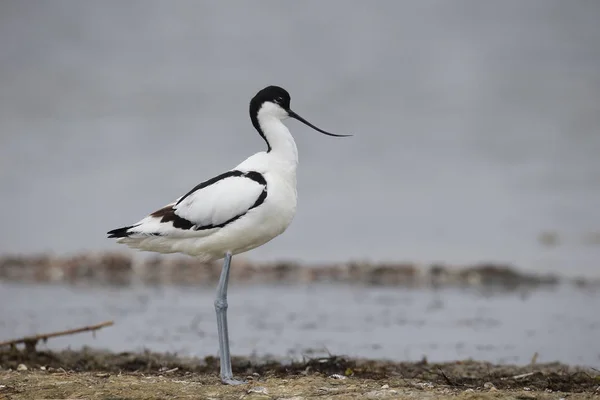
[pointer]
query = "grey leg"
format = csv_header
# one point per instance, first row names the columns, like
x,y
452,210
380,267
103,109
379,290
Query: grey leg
x,y
221,309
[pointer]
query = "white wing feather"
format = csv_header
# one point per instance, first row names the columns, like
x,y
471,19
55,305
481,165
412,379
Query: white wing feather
x,y
220,202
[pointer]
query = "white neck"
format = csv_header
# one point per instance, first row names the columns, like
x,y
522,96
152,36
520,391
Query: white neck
x,y
280,139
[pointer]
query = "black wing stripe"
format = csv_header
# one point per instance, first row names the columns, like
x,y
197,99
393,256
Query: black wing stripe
x,y
256,177
261,199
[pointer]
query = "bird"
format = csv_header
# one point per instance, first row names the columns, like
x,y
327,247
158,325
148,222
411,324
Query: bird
x,y
233,212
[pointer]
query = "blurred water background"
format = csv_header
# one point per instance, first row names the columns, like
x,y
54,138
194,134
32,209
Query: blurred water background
x,y
476,124
476,139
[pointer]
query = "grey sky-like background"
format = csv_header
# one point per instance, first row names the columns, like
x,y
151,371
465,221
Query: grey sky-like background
x,y
477,125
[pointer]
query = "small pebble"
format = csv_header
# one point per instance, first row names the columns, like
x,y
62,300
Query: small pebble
x,y
102,375
469,391
425,385
386,386
337,376
43,368
22,367
258,389
489,386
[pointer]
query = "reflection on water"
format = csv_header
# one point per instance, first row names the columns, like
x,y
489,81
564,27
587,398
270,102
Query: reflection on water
x,y
282,321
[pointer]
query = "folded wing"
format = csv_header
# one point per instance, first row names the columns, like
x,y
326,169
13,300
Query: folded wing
x,y
211,205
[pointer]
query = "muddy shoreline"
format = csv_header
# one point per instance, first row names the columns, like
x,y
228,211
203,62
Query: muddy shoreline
x,y
124,270
152,375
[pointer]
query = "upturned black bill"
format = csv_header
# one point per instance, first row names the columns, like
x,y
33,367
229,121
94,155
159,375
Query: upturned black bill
x,y
299,118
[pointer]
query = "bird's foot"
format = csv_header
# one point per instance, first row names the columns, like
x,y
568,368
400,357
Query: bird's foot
x,y
231,381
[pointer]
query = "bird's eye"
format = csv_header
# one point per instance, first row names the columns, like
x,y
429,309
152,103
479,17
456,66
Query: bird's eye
x,y
279,100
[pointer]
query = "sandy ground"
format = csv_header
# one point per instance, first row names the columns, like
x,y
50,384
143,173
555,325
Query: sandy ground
x,y
90,374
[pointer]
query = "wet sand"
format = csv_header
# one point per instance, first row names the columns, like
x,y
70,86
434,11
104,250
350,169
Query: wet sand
x,y
94,374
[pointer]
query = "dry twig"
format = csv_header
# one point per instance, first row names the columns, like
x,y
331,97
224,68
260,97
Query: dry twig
x,y
31,341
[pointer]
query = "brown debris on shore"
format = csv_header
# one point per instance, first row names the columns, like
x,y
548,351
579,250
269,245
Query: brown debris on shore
x,y
121,269
152,375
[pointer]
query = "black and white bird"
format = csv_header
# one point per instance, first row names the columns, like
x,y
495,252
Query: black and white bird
x,y
234,212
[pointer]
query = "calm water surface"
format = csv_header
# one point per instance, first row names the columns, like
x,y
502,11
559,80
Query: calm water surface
x,y
288,321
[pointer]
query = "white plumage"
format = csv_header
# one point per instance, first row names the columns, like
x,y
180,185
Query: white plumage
x,y
234,212
211,207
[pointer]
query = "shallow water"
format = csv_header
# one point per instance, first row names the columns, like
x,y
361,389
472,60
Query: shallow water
x,y
476,124
559,324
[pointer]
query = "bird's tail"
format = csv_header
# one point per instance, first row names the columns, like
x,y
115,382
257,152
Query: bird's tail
x,y
120,232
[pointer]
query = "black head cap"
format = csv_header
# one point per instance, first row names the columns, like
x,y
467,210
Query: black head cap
x,y
273,94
